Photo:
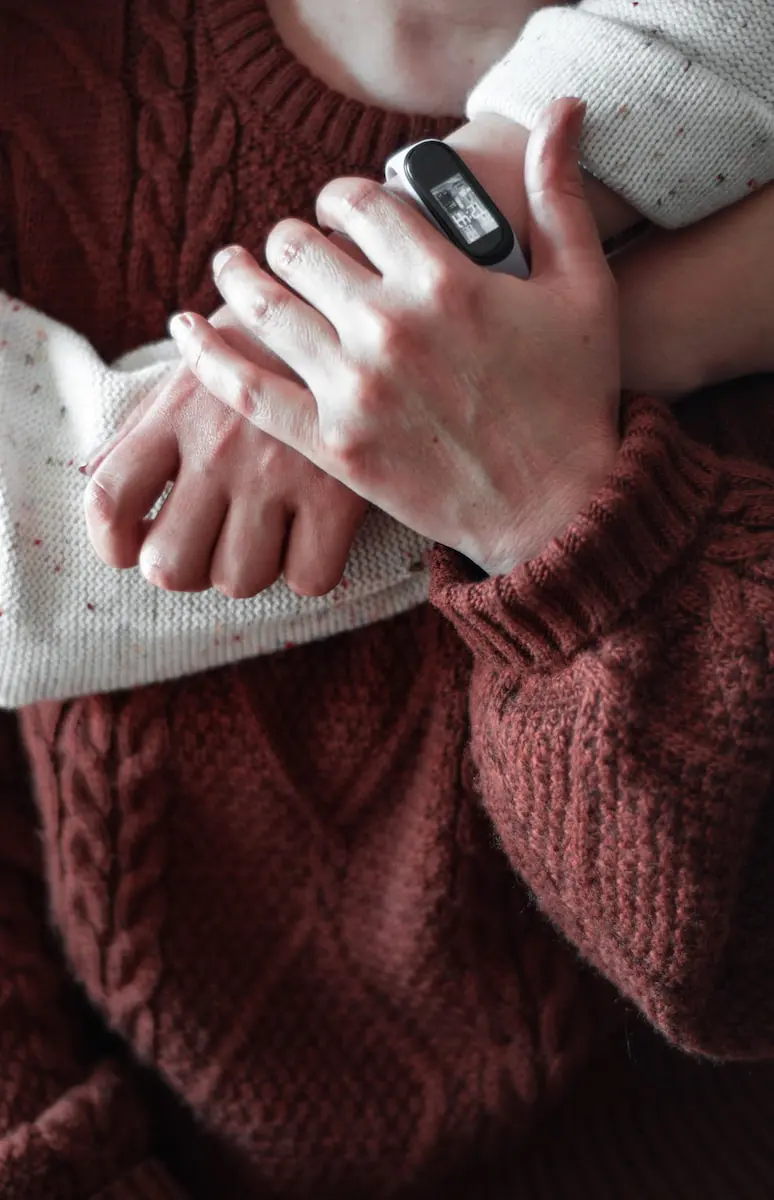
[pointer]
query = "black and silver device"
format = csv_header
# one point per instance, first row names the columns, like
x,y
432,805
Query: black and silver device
x,y
437,179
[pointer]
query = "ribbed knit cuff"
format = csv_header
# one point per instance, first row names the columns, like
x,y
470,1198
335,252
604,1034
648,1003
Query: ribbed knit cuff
x,y
270,82
641,525
680,119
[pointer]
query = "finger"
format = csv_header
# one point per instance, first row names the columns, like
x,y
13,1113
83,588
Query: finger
x,y
319,546
330,277
123,490
250,549
563,233
247,344
98,456
291,328
277,405
179,546
399,242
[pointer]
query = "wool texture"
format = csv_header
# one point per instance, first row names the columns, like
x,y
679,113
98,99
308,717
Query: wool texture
x,y
71,625
679,96
472,902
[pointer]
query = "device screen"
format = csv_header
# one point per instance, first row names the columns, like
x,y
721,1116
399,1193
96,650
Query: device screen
x,y
458,202
470,216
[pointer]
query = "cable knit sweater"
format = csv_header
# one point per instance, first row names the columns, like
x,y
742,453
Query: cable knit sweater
x,y
680,120
431,908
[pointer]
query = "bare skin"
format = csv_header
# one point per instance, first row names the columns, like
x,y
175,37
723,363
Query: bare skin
x,y
425,56
397,53
675,330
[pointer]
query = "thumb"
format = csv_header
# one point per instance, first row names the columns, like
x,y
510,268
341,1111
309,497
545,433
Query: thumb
x,y
563,234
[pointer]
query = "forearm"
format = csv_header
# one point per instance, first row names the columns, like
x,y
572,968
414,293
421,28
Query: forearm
x,y
696,305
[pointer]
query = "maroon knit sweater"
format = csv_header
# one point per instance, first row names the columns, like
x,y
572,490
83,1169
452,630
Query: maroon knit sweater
x,y
396,913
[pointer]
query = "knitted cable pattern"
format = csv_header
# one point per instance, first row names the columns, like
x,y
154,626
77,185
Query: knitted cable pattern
x,y
110,821
349,977
85,195
78,1145
162,126
210,198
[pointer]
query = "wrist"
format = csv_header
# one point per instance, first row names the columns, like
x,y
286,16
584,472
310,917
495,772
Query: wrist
x,y
564,493
494,147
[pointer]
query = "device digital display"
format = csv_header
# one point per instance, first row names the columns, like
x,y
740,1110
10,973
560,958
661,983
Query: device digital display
x,y
457,203
461,204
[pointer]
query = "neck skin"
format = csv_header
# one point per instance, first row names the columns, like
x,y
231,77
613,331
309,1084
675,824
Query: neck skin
x,y
419,56
425,56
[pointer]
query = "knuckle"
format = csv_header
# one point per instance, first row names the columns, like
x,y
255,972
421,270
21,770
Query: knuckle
x,y
244,399
162,577
434,281
249,397
288,244
389,336
312,581
168,578
359,195
361,393
155,568
238,587
232,589
347,446
267,310
165,570
225,443
99,505
449,293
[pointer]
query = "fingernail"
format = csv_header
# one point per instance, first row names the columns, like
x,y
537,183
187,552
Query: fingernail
x,y
91,465
180,325
94,458
221,258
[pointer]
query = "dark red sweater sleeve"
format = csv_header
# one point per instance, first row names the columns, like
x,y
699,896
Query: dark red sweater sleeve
x,y
622,726
72,1120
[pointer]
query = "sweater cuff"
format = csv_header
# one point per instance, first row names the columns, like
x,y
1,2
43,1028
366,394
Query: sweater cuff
x,y
671,130
637,528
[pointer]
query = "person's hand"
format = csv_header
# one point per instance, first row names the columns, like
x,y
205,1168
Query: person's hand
x,y
479,410
243,509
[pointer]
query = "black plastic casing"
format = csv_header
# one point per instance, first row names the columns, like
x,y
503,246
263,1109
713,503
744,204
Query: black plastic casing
x,y
433,162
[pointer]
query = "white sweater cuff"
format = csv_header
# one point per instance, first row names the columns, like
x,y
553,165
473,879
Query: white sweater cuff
x,y
680,117
69,625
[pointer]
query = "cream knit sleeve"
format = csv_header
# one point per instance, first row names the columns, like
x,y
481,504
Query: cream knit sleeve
x,y
69,625
680,96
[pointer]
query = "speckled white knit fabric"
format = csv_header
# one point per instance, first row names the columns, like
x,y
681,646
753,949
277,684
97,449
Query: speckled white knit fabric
x,y
70,625
680,95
